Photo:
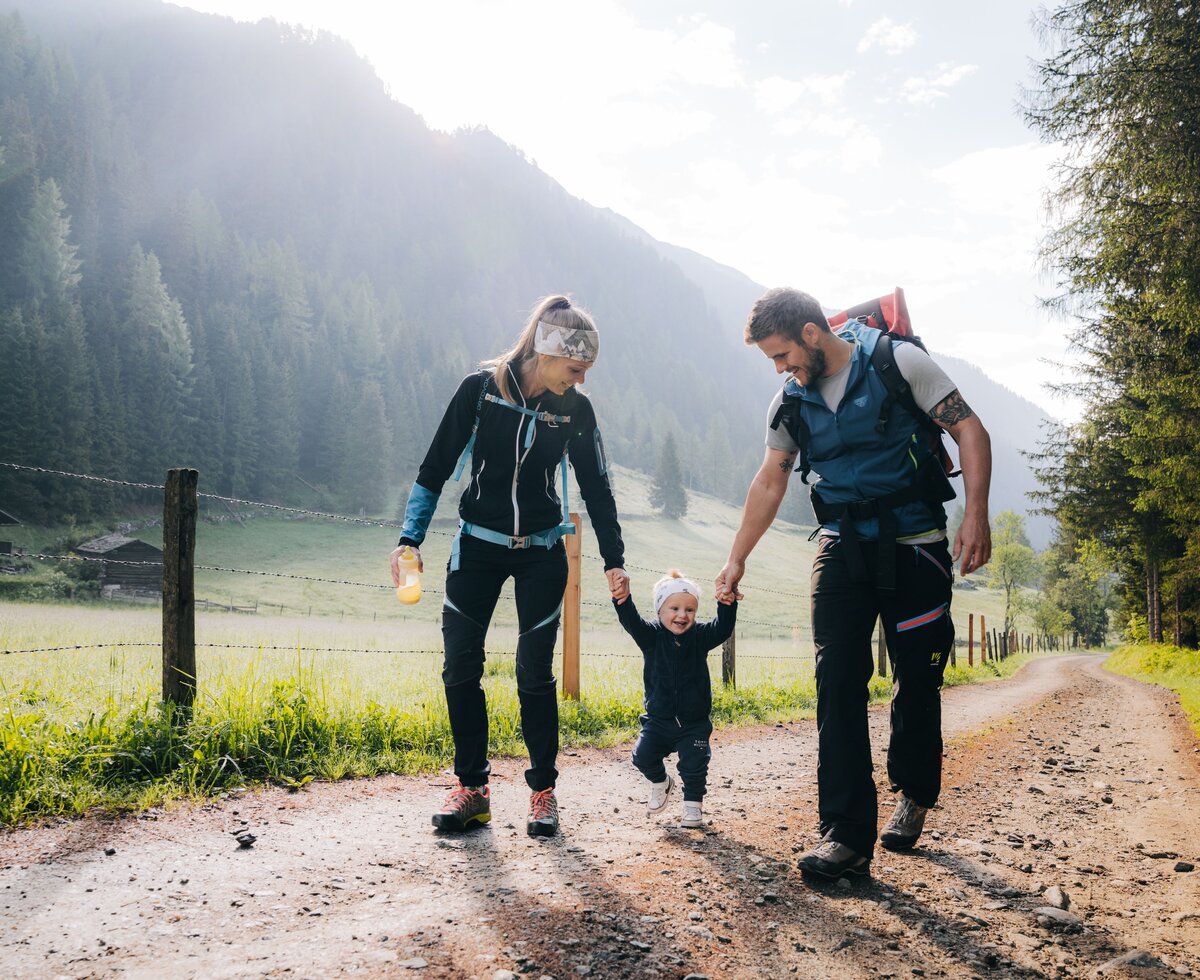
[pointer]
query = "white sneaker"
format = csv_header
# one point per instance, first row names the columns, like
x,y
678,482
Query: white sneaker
x,y
658,795
693,816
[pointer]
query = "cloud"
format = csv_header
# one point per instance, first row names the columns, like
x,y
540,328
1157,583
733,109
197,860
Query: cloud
x,y
926,89
1004,182
776,94
888,35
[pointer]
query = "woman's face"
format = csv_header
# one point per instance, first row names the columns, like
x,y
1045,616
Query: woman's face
x,y
559,374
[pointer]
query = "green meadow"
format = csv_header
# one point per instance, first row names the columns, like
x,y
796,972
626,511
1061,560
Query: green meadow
x,y
331,680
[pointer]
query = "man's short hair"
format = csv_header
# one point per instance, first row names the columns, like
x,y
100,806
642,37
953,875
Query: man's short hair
x,y
783,311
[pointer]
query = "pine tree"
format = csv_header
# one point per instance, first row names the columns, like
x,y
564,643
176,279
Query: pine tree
x,y
1121,88
48,269
667,493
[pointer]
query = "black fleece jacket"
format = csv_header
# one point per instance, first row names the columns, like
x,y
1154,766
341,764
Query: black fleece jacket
x,y
514,490
675,673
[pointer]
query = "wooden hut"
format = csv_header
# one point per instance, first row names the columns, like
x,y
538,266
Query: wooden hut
x,y
116,548
7,520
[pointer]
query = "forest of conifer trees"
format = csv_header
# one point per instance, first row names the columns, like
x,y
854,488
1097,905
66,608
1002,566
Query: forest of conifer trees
x,y
225,246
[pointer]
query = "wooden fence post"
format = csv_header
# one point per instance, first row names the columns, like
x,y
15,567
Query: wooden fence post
x,y
178,585
572,600
880,649
970,639
729,661
982,638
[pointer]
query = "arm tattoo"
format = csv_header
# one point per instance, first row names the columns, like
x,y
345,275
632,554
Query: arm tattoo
x,y
950,411
785,464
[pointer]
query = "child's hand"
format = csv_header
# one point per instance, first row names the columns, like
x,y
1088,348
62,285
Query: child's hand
x,y
726,599
618,583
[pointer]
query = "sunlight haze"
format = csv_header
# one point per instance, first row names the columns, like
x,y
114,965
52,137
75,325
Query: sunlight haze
x,y
842,147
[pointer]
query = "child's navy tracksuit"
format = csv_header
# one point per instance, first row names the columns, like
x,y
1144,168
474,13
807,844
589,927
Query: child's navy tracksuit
x,y
678,705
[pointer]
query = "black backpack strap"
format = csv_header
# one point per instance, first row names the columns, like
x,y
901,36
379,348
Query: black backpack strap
x,y
790,416
883,359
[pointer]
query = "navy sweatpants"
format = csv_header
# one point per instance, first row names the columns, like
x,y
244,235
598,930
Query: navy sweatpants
x,y
662,736
920,635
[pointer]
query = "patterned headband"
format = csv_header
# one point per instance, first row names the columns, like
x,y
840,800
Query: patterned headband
x,y
579,345
669,586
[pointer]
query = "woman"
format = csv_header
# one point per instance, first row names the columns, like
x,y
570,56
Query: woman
x,y
520,417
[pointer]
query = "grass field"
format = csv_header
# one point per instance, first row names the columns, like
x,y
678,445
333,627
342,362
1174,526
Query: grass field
x,y
329,680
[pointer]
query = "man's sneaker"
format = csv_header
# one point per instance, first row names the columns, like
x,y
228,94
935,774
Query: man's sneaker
x,y
832,860
466,805
658,795
693,815
543,814
902,831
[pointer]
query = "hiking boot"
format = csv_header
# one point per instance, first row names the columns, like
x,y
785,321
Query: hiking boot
x,y
466,805
543,814
832,860
658,795
693,815
902,831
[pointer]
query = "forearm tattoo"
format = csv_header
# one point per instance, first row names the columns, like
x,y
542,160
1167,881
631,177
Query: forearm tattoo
x,y
951,411
785,464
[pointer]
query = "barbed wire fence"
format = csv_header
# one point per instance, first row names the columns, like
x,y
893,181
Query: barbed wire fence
x,y
792,630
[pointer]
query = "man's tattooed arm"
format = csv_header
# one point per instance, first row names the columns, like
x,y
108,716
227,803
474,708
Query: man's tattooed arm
x,y
951,410
785,464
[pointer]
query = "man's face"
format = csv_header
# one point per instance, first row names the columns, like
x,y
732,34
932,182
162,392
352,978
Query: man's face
x,y
803,362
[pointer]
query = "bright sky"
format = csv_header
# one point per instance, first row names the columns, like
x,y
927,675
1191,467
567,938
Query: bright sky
x,y
840,146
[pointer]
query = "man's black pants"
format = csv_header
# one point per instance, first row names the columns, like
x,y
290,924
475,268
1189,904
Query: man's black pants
x,y
920,635
539,580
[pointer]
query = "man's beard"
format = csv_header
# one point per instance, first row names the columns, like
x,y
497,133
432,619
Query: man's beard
x,y
816,365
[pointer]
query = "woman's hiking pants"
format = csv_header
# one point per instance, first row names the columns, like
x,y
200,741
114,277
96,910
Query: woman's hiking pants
x,y
539,579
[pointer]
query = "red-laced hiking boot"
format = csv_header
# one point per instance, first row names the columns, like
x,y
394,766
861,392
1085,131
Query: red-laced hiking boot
x,y
543,814
463,807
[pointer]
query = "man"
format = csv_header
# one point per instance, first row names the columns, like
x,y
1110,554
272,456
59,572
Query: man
x,y
883,553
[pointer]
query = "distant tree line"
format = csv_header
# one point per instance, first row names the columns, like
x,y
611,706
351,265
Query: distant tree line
x,y
1120,88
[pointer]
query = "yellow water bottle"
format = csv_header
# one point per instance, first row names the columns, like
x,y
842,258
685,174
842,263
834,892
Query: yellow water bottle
x,y
409,590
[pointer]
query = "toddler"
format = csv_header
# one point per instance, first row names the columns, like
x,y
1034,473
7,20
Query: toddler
x,y
678,704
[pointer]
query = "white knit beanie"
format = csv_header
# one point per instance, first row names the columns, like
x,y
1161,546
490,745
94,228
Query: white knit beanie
x,y
671,583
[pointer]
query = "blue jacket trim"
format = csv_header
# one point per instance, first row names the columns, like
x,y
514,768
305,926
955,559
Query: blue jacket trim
x,y
418,512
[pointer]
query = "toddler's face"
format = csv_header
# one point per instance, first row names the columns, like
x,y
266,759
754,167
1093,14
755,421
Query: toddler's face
x,y
678,612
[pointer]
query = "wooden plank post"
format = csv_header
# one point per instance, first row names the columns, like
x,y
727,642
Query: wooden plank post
x,y
729,661
572,601
880,648
970,639
982,638
179,600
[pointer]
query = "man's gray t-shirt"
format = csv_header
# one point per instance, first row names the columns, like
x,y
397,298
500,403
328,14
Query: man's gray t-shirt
x,y
929,383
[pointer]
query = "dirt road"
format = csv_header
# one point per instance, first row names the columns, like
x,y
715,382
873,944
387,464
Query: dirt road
x,y
1065,785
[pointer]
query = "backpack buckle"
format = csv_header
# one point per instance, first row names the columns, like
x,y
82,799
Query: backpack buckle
x,y
518,542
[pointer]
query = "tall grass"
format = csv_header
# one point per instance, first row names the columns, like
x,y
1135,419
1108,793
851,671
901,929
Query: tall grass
x,y
1166,665
86,730
328,681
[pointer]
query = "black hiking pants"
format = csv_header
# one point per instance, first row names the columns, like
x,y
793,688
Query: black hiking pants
x,y
539,579
920,635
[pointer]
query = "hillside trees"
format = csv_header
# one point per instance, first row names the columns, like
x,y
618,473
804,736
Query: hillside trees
x,y
1121,89
231,248
667,494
